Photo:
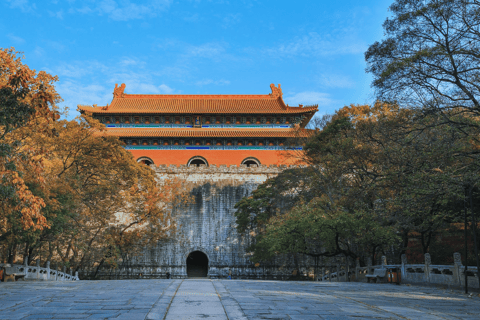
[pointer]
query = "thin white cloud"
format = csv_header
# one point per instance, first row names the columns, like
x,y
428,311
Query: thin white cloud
x,y
23,5
310,98
314,44
145,88
148,88
101,79
58,46
38,51
79,69
230,20
124,10
84,10
192,17
15,39
165,89
207,50
57,14
205,82
336,81
75,93
130,62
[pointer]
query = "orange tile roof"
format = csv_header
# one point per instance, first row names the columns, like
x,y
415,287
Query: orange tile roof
x,y
210,133
200,104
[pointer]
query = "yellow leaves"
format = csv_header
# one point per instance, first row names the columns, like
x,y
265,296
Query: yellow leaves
x,y
367,113
26,203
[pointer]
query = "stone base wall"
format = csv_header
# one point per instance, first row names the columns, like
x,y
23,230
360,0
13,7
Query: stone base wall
x,y
207,224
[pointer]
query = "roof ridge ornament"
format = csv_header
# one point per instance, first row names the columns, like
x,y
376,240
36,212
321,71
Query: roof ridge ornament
x,y
118,91
276,92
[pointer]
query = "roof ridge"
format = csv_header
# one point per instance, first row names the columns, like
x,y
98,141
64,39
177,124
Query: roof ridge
x,y
193,96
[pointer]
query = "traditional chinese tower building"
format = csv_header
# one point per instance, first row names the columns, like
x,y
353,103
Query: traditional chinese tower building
x,y
223,146
203,129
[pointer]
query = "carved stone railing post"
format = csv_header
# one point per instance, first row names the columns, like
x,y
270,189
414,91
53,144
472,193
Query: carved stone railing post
x,y
383,261
25,265
64,273
37,269
404,267
457,265
56,272
428,262
338,272
76,275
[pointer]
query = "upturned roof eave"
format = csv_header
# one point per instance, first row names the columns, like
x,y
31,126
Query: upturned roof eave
x,y
291,110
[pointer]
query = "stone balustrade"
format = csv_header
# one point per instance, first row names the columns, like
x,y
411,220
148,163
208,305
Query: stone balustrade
x,y
452,275
12,272
426,273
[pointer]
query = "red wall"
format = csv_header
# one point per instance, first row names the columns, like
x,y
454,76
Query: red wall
x,y
217,157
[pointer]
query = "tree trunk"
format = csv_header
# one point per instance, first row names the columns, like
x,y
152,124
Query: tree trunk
x,y
426,238
474,231
12,251
50,251
30,254
373,255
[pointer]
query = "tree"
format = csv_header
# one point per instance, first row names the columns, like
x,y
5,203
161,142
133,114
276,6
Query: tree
x,y
104,204
68,191
377,173
26,97
430,56
329,201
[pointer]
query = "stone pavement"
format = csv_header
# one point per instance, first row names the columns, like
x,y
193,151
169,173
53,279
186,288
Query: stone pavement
x,y
230,299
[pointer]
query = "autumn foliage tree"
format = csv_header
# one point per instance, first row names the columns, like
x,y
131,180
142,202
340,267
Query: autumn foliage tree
x,y
71,193
26,97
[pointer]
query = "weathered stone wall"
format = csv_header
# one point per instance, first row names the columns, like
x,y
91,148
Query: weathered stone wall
x,y
207,224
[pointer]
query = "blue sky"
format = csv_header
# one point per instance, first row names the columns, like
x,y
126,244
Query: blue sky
x,y
315,49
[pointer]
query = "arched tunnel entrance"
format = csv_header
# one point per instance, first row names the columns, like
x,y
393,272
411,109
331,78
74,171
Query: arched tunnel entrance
x,y
197,264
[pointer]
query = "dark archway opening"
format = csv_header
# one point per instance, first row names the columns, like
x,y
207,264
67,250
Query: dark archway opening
x,y
145,160
197,161
197,265
251,162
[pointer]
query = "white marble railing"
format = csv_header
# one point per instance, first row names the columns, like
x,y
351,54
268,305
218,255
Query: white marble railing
x,y
13,272
426,273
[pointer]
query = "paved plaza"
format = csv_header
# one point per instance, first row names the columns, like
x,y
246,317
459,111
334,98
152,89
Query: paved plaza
x,y
230,299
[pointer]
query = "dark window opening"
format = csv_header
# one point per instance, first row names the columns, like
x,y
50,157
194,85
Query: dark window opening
x,y
197,265
197,162
251,162
145,161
